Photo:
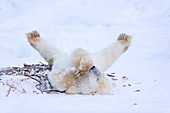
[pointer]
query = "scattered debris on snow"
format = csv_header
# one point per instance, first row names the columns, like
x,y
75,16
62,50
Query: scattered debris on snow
x,y
29,78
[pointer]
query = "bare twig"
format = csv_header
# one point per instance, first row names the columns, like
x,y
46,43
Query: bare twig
x,y
137,90
53,90
33,78
8,92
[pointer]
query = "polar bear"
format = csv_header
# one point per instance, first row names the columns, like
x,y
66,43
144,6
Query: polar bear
x,y
80,72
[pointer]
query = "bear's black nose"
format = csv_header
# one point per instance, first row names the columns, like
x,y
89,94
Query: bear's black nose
x,y
94,71
92,68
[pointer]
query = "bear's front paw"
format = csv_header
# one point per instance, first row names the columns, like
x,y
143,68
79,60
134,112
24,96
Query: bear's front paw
x,y
33,36
124,37
125,40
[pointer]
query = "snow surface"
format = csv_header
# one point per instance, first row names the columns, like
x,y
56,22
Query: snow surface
x,y
91,24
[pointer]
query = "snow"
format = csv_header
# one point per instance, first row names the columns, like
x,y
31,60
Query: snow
x,y
91,24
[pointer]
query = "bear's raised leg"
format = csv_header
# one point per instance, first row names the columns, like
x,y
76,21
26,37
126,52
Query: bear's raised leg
x,y
106,57
48,52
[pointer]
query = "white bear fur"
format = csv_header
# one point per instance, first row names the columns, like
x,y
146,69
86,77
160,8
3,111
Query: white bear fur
x,y
70,73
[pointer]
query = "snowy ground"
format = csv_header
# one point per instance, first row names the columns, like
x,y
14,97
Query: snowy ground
x,y
91,24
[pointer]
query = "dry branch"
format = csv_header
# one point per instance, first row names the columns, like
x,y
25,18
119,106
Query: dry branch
x,y
8,92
